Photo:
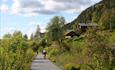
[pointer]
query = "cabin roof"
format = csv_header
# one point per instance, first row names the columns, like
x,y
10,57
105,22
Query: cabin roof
x,y
71,33
87,24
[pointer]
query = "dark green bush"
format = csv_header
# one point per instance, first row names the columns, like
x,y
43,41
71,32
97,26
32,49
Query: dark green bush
x,y
86,67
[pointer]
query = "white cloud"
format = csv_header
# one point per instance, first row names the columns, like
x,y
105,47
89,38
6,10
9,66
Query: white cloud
x,y
36,7
4,8
25,7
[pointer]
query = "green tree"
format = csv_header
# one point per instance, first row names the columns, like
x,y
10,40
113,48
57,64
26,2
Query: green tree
x,y
32,36
55,29
18,41
37,33
112,19
25,37
7,36
35,38
43,43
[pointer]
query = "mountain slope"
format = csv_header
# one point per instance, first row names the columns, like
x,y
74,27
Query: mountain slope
x,y
102,13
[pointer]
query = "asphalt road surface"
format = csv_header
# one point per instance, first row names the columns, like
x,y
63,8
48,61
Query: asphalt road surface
x,y
43,64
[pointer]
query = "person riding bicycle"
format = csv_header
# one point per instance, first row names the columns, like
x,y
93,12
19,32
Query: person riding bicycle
x,y
44,53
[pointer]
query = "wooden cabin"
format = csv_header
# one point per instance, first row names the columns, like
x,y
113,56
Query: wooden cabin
x,y
84,26
71,34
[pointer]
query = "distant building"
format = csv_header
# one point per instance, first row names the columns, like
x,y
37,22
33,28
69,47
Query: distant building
x,y
71,34
83,26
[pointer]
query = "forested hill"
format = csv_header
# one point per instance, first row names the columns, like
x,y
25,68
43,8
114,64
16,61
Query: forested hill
x,y
102,13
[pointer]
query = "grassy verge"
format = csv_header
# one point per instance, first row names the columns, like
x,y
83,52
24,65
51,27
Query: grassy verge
x,y
74,59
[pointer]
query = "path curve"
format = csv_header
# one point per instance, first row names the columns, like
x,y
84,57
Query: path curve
x,y
43,64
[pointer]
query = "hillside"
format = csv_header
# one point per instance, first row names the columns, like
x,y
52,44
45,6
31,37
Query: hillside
x,y
102,13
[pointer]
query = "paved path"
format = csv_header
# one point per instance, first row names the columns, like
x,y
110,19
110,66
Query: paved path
x,y
43,64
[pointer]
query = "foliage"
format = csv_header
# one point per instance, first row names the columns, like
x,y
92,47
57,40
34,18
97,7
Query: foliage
x,y
36,36
112,37
43,43
98,52
53,52
86,67
15,52
91,52
71,67
55,28
102,13
104,20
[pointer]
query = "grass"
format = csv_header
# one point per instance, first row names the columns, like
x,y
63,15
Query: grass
x,y
67,59
112,37
73,59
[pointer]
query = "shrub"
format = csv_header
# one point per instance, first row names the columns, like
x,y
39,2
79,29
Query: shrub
x,y
53,52
70,66
15,53
86,67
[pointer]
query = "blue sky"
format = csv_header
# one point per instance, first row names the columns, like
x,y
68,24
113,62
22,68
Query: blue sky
x,y
24,15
